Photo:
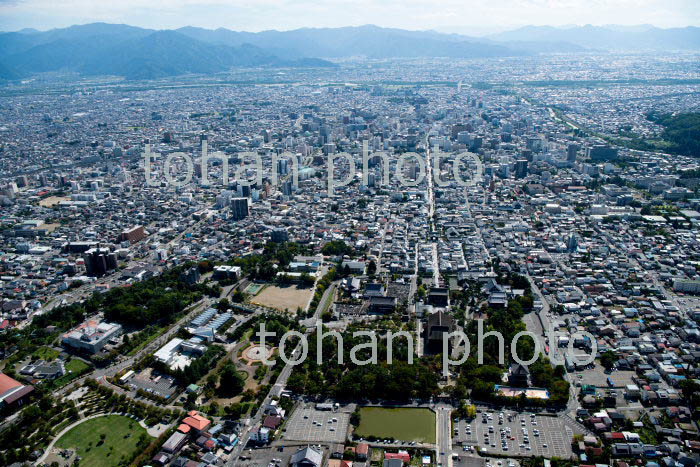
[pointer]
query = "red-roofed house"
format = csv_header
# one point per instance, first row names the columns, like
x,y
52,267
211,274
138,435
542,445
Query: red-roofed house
x,y
362,451
403,455
614,437
272,421
593,451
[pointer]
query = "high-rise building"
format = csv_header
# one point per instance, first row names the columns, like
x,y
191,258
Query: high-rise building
x,y
371,180
464,137
279,235
287,188
413,170
571,152
535,144
239,208
132,235
224,199
329,148
602,152
243,190
282,167
98,261
521,168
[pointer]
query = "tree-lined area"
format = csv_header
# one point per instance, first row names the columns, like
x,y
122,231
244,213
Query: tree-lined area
x,y
396,381
145,306
682,130
273,258
479,380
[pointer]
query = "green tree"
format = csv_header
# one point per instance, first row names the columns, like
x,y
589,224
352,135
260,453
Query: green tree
x,y
372,268
231,382
608,359
238,296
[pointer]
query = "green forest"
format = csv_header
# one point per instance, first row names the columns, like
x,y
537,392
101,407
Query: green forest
x,y
681,130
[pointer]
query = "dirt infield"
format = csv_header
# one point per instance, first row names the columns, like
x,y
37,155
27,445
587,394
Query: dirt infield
x,y
284,298
52,201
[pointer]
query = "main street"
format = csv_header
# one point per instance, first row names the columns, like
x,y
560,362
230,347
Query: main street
x,y
444,435
430,200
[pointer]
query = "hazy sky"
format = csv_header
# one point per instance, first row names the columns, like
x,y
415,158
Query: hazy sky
x,y
464,16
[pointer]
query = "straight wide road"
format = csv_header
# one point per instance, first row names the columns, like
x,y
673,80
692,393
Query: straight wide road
x,y
444,435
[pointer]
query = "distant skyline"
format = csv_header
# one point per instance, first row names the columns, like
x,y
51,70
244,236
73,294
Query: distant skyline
x,y
478,17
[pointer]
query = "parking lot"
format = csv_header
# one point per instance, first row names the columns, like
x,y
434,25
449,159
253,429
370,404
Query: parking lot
x,y
152,382
271,455
317,426
597,377
523,434
473,460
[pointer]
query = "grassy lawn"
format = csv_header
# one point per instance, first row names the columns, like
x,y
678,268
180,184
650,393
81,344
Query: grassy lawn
x,y
403,424
46,353
329,300
121,437
74,369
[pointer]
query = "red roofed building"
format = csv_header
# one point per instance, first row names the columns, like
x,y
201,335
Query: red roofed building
x,y
196,421
403,455
13,392
614,437
272,422
593,451
362,451
209,445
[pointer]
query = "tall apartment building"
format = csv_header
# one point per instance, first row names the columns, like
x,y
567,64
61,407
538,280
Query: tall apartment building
x,y
98,261
239,208
133,235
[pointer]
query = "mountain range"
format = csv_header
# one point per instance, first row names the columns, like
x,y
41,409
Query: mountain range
x,y
135,53
138,53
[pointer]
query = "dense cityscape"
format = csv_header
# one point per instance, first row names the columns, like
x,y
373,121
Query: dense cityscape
x,y
150,227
